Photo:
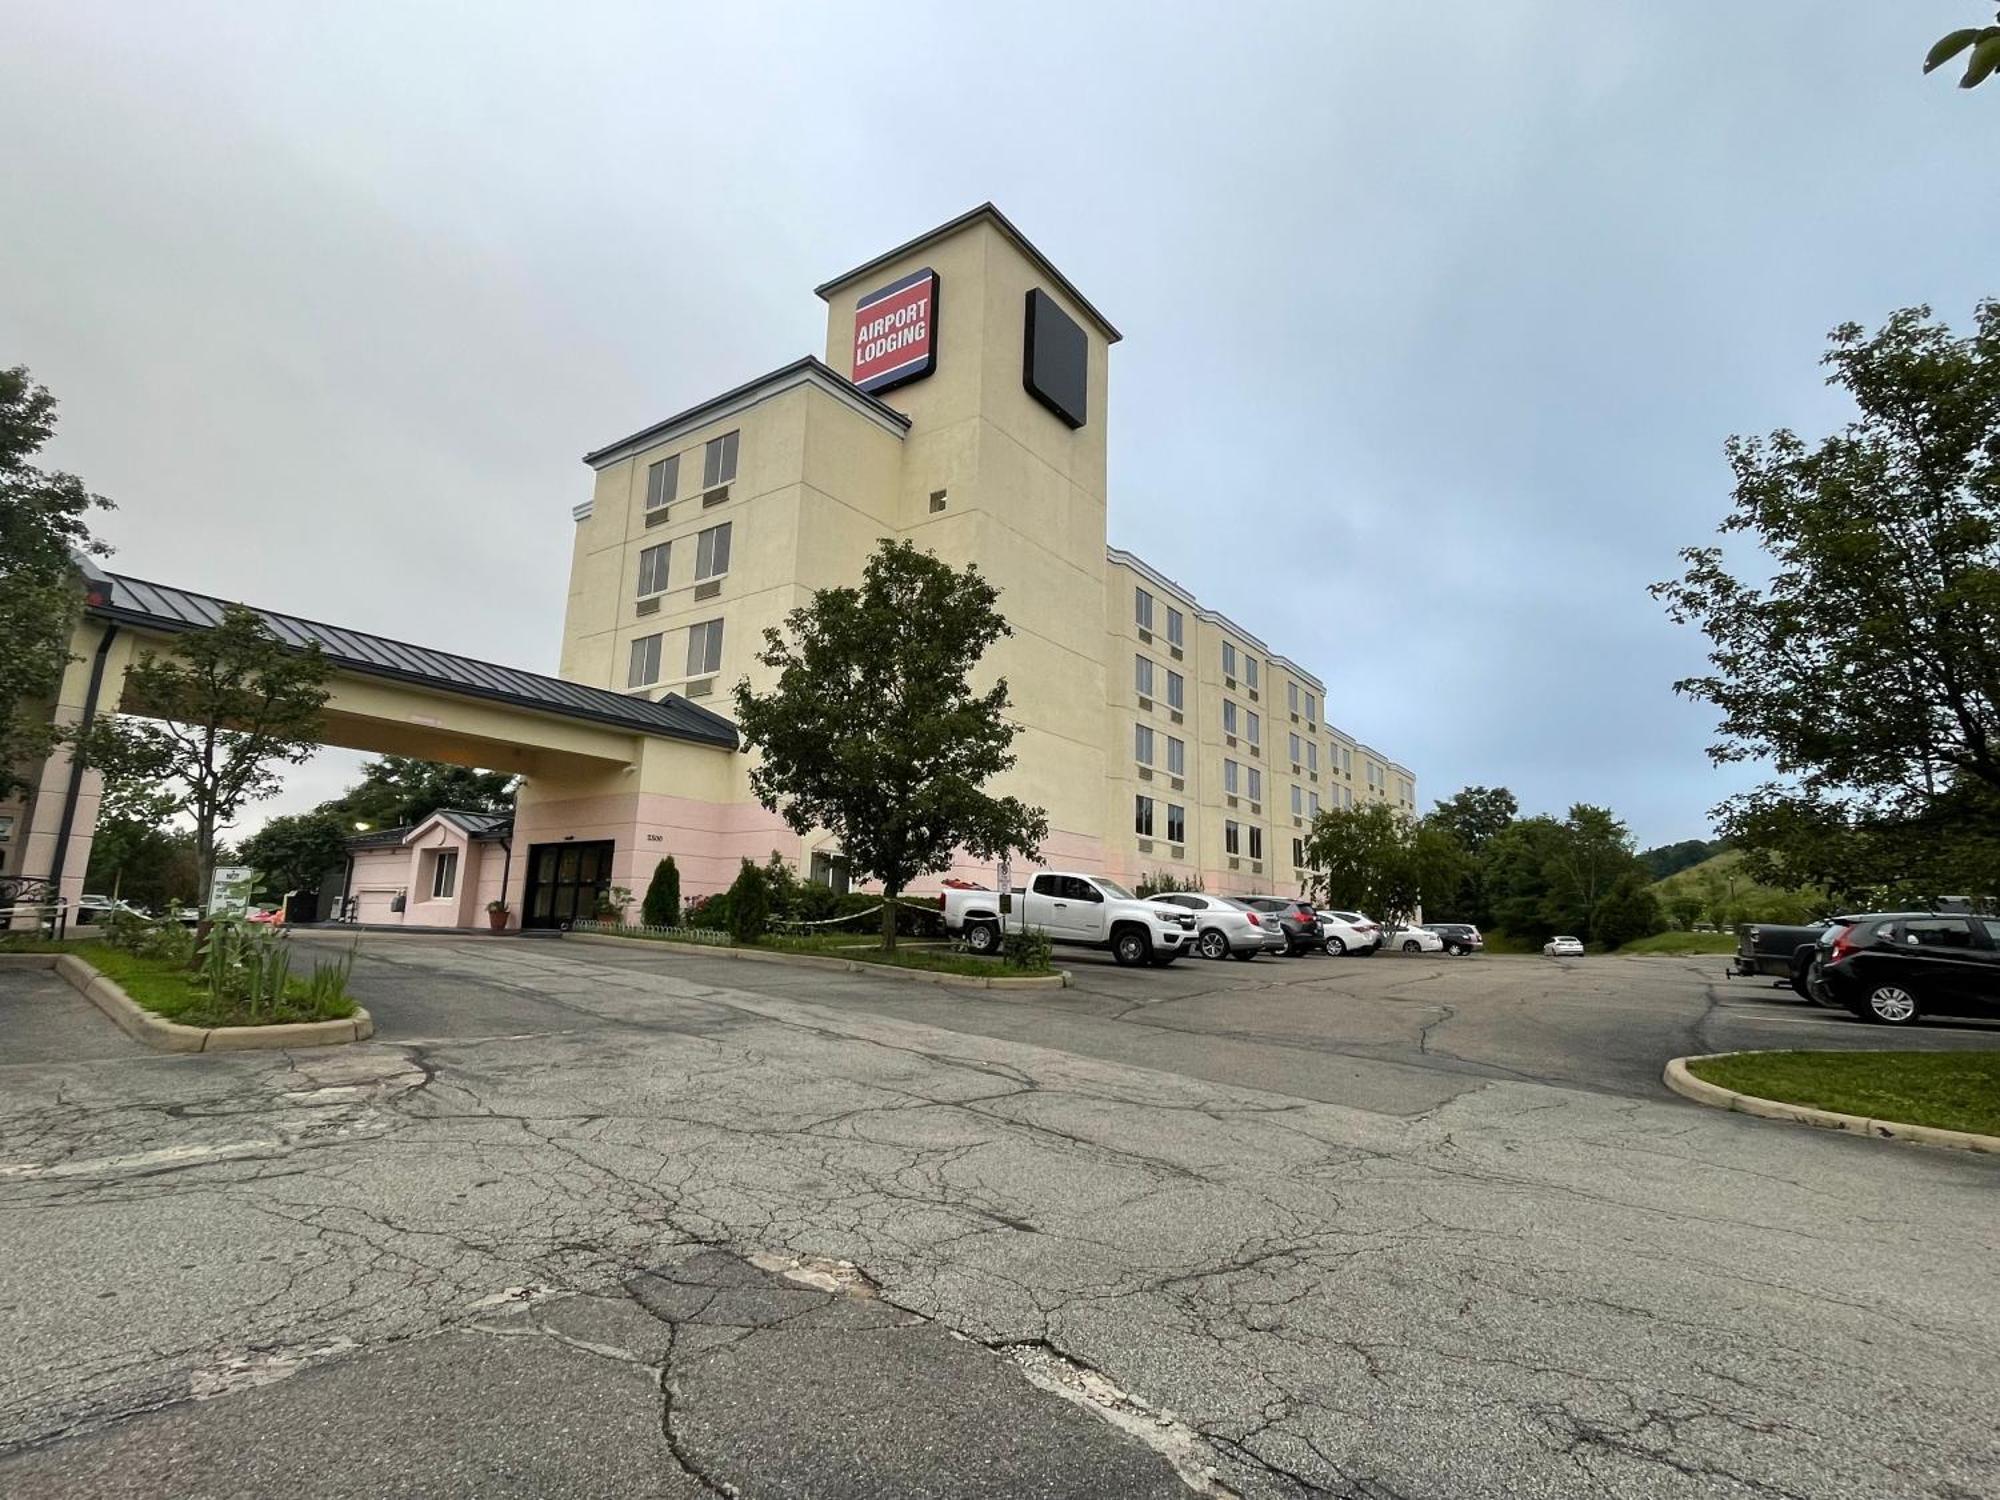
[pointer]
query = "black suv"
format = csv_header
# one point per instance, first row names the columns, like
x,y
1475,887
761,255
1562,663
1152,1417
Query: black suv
x,y
1298,920
1900,966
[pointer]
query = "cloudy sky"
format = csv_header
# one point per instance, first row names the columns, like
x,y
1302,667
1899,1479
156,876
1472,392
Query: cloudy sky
x,y
1436,316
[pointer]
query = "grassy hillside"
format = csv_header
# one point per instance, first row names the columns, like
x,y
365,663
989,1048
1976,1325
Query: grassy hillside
x,y
1729,896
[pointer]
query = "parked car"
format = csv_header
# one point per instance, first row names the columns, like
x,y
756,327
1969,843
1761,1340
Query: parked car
x,y
91,908
1299,921
1896,968
1774,949
1343,932
1459,937
1563,947
267,916
1414,940
1224,926
1078,911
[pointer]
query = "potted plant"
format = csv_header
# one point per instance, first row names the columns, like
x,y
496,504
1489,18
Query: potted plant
x,y
496,915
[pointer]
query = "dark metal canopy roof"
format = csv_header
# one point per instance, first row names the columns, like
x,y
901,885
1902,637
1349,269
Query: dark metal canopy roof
x,y
157,606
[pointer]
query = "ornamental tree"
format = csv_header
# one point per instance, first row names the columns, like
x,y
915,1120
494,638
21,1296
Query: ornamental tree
x,y
872,729
222,712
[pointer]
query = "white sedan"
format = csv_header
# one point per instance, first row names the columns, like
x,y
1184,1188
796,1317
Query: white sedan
x,y
1343,932
1414,940
1563,947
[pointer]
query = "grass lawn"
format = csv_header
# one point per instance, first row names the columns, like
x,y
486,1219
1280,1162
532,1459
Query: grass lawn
x,y
1952,1090
1683,942
911,953
170,991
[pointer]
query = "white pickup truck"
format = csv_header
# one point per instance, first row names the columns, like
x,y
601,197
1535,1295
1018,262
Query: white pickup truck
x,y
1081,911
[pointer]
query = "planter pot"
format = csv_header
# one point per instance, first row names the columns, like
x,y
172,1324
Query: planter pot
x,y
497,920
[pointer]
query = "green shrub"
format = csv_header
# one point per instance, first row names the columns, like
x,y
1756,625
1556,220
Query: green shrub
x,y
144,939
1162,881
1630,912
1027,950
749,904
662,907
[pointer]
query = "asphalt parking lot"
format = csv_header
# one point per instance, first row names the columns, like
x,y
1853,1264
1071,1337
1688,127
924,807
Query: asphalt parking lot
x,y
594,1220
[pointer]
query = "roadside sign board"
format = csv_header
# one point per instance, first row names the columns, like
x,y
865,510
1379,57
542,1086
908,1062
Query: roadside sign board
x,y
1005,882
229,892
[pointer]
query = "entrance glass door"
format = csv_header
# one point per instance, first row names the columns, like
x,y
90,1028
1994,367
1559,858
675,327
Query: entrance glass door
x,y
565,882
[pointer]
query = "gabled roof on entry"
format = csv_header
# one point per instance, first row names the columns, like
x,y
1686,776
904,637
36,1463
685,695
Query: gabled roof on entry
x,y
474,825
159,606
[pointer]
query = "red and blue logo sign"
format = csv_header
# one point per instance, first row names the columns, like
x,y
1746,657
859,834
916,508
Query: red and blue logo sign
x,y
895,332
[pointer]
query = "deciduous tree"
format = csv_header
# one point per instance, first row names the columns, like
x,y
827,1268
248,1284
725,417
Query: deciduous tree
x,y
295,851
872,730
1375,859
223,711
44,519
1861,654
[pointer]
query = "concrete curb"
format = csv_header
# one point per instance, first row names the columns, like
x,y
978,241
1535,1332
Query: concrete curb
x,y
163,1035
1059,980
1684,1083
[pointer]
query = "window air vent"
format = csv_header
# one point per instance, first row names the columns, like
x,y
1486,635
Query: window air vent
x,y
1229,682
1253,695
1257,809
657,516
1229,740
1313,777
1311,728
1295,718
1177,851
1231,801
1298,822
1145,635
1176,653
1176,716
1295,764
1258,751
708,590
1235,863
1256,867
1145,846
1145,773
700,688
1179,784
1146,703
715,496
647,606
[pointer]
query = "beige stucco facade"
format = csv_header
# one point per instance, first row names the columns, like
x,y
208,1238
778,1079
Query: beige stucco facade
x,y
970,466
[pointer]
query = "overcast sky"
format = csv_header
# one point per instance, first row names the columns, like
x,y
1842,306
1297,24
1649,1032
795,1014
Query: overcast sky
x,y
1436,316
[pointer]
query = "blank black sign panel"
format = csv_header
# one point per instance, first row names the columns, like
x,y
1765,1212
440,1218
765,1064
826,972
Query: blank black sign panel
x,y
1056,369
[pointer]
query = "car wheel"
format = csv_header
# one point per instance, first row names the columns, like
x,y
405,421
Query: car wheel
x,y
1413,946
1335,948
1130,947
982,937
1213,944
1454,950
1892,1005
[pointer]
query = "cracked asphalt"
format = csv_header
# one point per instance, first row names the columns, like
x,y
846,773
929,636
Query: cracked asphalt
x,y
586,1220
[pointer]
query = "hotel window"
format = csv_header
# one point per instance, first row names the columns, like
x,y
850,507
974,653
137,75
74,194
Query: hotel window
x,y
704,648
1142,816
1175,625
1176,824
663,480
1312,756
718,463
1142,609
653,570
1229,770
1230,839
1292,696
1176,757
1176,690
1347,760
1142,744
1249,669
1256,785
1142,675
1256,725
444,875
1228,717
1312,710
711,552
1405,791
1347,797
1256,842
1295,747
1299,853
1298,801
1312,804
1228,660
645,666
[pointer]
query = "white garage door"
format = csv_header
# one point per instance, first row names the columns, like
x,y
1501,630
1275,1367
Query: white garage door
x,y
373,906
